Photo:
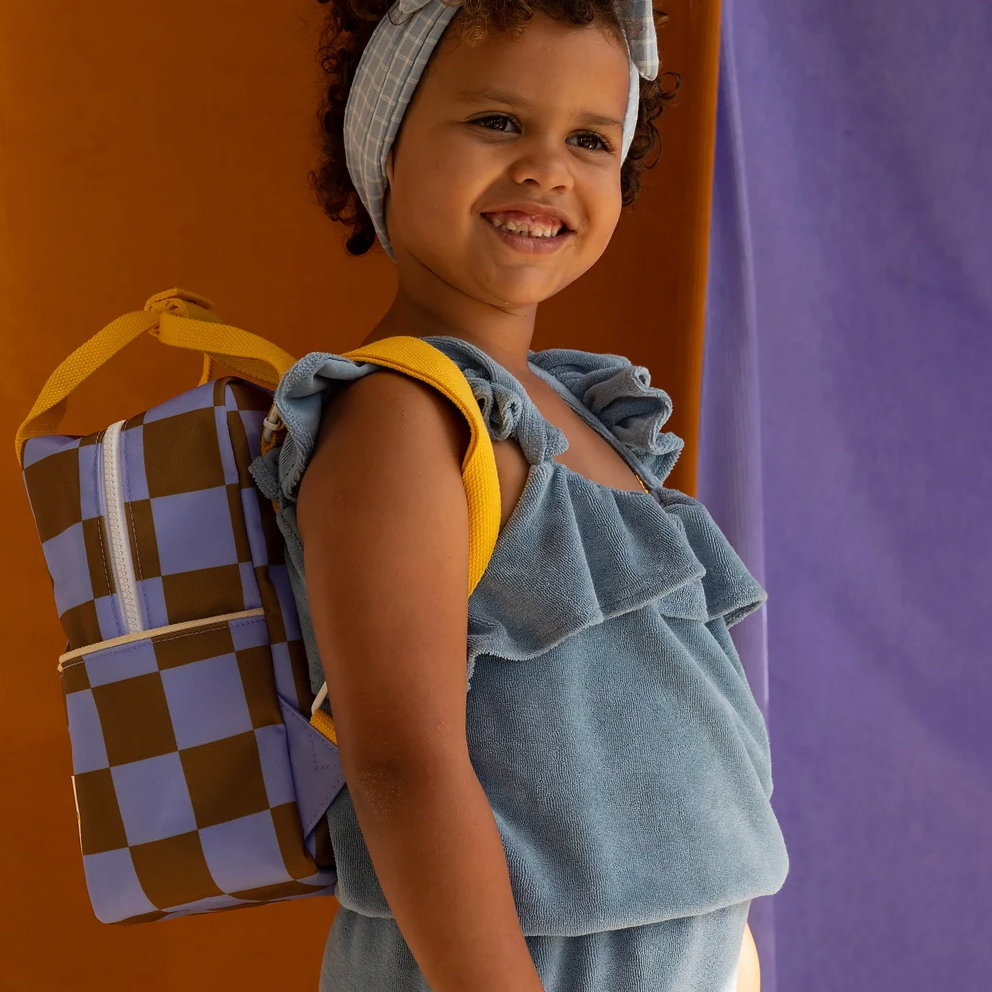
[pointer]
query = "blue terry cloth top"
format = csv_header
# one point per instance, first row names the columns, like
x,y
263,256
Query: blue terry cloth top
x,y
609,718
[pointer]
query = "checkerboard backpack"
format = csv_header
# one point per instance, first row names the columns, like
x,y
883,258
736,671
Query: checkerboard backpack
x,y
202,761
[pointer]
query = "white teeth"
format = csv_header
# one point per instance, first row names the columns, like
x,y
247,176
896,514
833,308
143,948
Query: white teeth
x,y
533,231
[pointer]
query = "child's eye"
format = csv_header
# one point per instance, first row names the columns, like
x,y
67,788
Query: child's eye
x,y
486,122
598,141
493,122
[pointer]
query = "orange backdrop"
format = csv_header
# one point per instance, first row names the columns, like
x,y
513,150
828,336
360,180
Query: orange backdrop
x,y
144,147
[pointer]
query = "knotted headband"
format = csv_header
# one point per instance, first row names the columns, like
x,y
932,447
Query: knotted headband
x,y
391,66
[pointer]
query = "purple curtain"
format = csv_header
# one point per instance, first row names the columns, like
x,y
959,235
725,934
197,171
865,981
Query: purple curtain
x,y
846,451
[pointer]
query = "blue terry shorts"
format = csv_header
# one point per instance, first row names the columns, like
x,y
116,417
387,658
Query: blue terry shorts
x,y
689,954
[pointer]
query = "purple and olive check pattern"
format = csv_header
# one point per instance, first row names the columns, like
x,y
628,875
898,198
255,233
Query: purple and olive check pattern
x,y
181,754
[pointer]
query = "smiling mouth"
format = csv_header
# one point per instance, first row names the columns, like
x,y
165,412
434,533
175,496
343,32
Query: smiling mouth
x,y
538,228
529,235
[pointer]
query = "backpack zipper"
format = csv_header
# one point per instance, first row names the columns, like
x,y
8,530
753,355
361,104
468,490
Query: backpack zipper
x,y
121,562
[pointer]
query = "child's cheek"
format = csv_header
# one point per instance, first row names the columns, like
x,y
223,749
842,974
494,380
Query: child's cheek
x,y
455,184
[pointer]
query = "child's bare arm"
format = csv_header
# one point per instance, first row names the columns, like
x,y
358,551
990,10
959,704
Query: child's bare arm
x,y
384,520
748,971
439,857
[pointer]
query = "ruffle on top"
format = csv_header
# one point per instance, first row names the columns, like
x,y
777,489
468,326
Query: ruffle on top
x,y
300,398
603,551
621,396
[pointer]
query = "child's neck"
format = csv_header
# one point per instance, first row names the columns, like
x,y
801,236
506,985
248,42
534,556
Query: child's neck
x,y
504,335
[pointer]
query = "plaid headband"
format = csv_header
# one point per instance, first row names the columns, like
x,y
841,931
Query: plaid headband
x,y
391,66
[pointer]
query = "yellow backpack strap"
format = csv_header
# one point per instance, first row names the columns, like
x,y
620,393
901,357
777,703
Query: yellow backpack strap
x,y
428,364
423,361
176,317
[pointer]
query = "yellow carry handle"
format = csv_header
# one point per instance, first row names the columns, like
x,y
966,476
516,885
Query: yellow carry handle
x,y
183,319
176,317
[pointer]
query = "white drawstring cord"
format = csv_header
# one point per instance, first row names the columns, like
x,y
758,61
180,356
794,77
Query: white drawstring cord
x,y
321,696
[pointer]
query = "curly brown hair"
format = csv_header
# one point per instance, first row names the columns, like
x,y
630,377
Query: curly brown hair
x,y
347,28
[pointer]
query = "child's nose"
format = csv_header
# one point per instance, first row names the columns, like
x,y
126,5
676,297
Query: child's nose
x,y
542,162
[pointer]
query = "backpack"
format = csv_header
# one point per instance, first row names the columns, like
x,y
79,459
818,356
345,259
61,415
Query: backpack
x,y
202,761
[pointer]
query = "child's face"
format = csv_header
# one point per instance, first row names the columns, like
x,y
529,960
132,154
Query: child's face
x,y
463,152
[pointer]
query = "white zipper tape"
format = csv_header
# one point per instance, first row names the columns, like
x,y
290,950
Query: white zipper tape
x,y
121,562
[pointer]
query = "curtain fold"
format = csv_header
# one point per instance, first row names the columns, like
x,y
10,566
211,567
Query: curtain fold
x,y
730,455
847,454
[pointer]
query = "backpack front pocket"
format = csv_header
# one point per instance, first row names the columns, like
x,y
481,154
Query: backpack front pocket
x,y
181,771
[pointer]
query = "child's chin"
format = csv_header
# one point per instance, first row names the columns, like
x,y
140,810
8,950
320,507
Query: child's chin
x,y
522,292
514,281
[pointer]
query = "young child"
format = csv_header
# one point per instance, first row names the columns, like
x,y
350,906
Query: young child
x,y
585,807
